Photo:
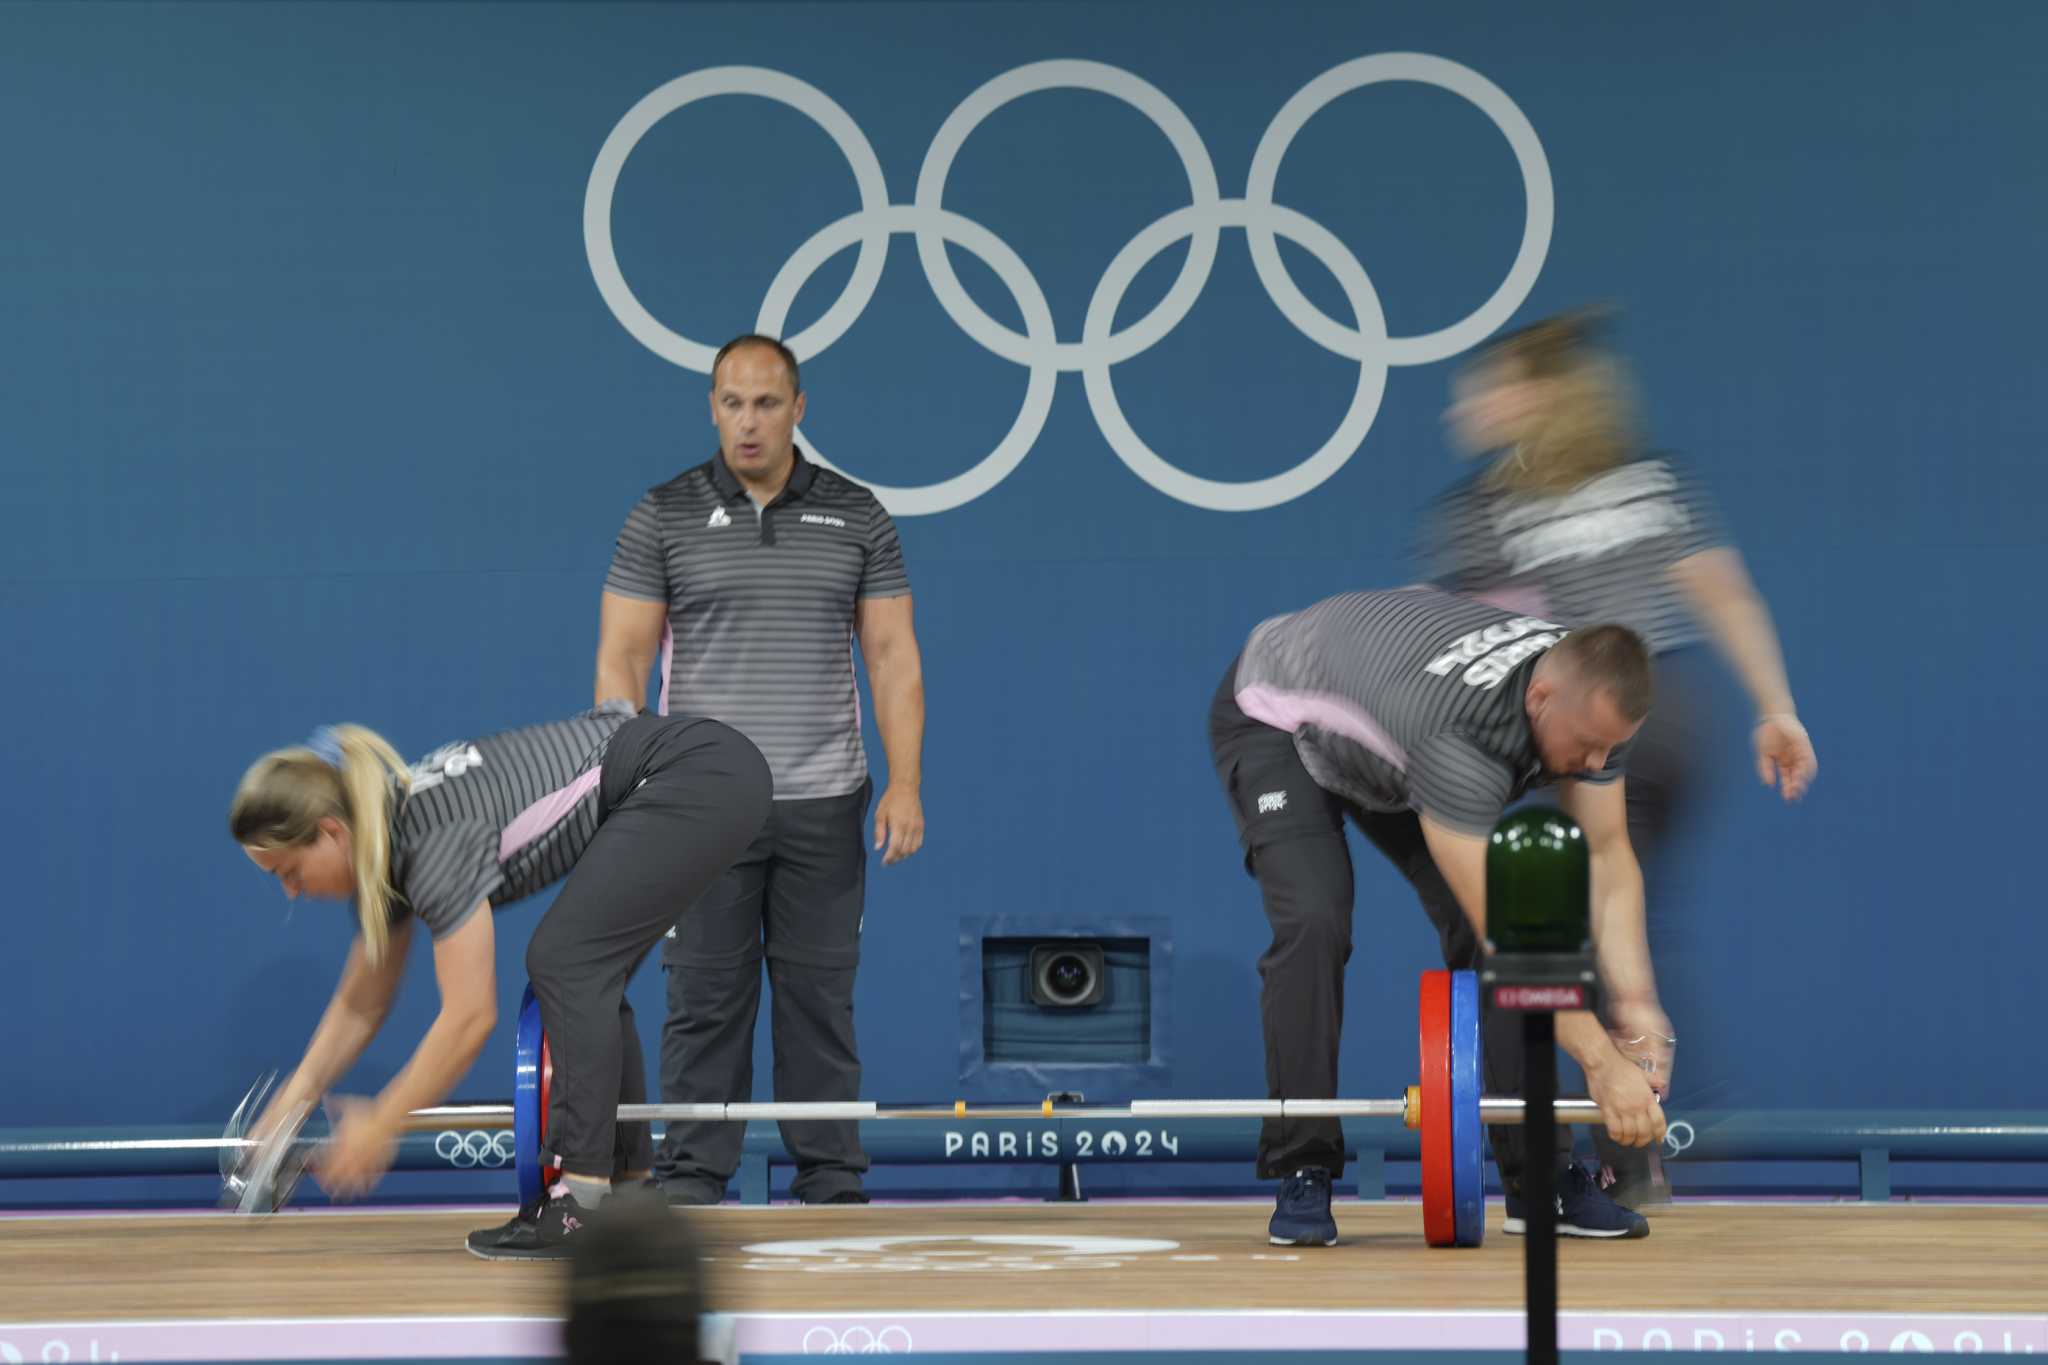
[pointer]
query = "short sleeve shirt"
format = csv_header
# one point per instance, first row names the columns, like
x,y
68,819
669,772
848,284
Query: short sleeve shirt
x,y
1407,700
761,605
500,817
1599,554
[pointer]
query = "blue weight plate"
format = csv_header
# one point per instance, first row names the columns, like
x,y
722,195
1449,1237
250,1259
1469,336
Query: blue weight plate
x,y
1468,1147
526,1099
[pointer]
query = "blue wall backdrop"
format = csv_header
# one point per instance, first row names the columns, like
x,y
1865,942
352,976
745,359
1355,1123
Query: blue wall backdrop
x,y
313,409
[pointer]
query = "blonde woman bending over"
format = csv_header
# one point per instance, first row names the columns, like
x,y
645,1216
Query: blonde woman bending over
x,y
639,813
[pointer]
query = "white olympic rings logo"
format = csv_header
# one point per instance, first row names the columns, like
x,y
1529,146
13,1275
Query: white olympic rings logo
x,y
475,1148
857,1341
1678,1137
1101,346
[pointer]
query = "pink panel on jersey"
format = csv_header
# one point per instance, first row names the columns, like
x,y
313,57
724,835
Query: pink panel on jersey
x,y
1523,601
1290,711
668,650
544,814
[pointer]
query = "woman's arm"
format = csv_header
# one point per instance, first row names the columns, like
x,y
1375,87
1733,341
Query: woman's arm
x,y
366,1131
362,1000
465,965
1718,587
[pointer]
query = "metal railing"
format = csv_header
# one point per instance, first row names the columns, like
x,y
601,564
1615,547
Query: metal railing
x,y
1874,1139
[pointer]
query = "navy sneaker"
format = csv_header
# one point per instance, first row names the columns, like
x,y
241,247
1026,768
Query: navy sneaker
x,y
1301,1216
1583,1210
543,1230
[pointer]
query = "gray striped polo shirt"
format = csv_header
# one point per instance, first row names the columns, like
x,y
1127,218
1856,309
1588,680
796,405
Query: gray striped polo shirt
x,y
499,818
1599,554
1406,700
761,610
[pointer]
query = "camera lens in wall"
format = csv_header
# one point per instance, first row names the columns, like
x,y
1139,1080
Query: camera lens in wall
x,y
1068,975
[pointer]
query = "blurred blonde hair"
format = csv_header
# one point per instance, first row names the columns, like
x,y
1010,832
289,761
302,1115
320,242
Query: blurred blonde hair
x,y
1586,422
287,793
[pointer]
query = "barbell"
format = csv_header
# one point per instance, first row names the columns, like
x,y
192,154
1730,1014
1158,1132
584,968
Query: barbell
x,y
1446,1106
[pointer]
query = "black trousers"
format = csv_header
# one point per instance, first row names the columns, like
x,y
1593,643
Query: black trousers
x,y
793,897
679,799
1293,837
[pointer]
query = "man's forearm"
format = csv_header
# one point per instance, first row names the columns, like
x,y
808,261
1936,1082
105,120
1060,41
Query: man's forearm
x,y
898,686
1584,1039
1619,934
1462,861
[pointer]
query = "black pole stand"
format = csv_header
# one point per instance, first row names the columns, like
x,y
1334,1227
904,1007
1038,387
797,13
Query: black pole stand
x,y
1070,1171
1539,1195
1540,960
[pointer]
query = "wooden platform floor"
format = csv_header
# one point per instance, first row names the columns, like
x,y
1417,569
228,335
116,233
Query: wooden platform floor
x,y
1890,1258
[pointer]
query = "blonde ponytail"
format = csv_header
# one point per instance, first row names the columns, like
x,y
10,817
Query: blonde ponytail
x,y
347,773
373,776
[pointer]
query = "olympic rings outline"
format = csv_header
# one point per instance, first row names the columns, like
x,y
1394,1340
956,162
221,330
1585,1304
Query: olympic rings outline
x,y
658,104
1216,494
1537,190
475,1148
842,1343
1103,79
1100,347
1009,267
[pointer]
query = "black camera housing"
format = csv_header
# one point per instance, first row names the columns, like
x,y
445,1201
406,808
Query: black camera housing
x,y
1068,975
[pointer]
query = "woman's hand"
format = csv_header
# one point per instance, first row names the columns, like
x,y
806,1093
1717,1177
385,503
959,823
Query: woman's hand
x,y
361,1150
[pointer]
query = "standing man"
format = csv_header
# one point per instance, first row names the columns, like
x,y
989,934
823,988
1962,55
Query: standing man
x,y
1421,716
752,575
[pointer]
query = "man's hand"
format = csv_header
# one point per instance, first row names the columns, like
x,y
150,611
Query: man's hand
x,y
360,1152
1642,1034
1784,755
1628,1106
899,824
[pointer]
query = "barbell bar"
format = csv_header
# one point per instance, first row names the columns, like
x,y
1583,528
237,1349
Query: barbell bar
x,y
1493,1109
1447,1107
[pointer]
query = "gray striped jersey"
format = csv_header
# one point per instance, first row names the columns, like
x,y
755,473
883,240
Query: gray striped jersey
x,y
1406,700
499,818
1599,554
761,609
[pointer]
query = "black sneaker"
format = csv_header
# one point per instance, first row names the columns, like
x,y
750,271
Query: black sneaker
x,y
541,1231
1583,1210
1301,1215
843,1197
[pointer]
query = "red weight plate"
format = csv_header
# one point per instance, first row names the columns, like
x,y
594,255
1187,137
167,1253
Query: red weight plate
x,y
548,1174
1439,1189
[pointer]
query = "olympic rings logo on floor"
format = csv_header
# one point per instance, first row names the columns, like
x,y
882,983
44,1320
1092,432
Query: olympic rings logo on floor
x,y
476,1148
1101,346
857,1341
